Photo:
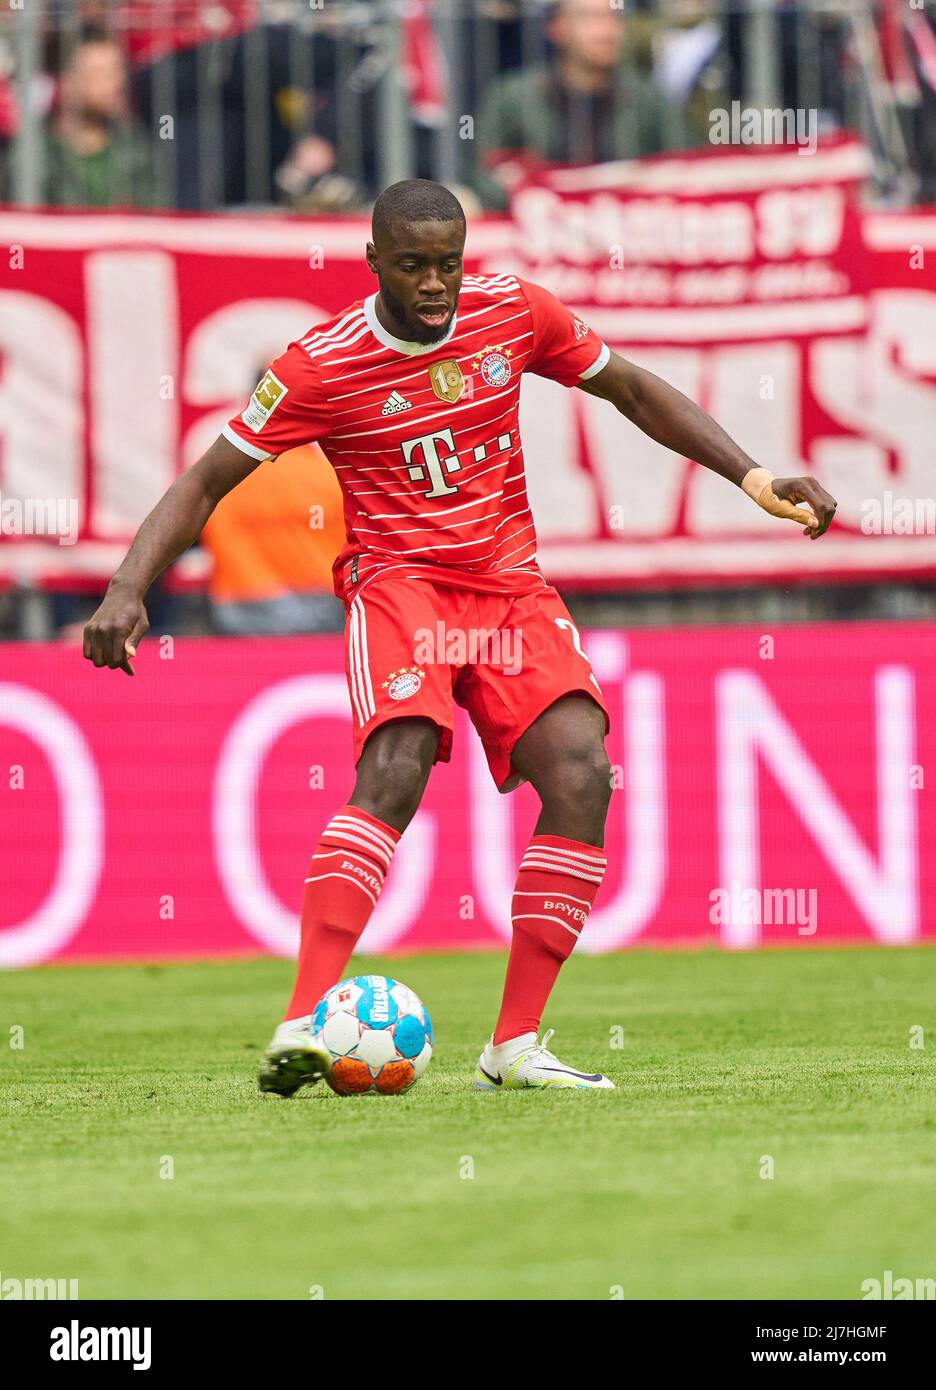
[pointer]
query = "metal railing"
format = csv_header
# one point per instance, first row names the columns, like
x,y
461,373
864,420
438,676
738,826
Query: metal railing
x,y
311,103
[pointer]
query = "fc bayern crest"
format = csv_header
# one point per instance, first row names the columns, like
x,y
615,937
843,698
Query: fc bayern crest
x,y
494,364
400,685
495,369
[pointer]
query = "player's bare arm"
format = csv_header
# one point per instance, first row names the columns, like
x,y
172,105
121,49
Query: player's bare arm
x,y
113,633
676,422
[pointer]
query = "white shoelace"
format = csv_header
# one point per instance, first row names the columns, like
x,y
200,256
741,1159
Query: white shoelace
x,y
540,1052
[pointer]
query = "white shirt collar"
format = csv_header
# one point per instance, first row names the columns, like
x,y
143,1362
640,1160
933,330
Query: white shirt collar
x,y
400,344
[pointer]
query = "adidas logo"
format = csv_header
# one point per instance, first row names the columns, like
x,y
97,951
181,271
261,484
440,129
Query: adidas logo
x,y
395,403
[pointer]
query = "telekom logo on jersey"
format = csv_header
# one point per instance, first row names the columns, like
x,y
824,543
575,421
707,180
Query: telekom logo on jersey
x,y
726,773
435,468
432,467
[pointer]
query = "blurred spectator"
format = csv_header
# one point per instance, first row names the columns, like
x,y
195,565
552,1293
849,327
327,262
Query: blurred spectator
x,y
9,117
686,52
223,74
157,27
310,182
94,153
908,47
585,106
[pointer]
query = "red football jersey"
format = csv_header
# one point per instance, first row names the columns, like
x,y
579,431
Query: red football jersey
x,y
425,438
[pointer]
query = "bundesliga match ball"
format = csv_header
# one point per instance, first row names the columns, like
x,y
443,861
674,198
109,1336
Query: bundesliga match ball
x,y
378,1033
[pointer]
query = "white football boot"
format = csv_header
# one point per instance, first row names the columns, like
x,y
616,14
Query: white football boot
x,y
294,1058
522,1063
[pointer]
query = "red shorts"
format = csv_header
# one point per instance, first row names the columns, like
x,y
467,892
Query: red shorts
x,y
412,647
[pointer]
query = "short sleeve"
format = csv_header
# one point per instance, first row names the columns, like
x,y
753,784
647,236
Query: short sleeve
x,y
288,408
564,348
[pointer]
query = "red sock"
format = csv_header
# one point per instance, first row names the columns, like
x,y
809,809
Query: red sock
x,y
556,887
346,875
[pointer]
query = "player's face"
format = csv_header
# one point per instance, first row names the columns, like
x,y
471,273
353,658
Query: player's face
x,y
419,270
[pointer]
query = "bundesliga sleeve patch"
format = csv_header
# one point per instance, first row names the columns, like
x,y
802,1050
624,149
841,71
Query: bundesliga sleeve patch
x,y
263,402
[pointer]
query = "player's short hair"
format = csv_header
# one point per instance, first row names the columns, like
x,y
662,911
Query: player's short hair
x,y
414,200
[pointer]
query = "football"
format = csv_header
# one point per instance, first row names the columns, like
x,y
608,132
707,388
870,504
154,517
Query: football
x,y
378,1032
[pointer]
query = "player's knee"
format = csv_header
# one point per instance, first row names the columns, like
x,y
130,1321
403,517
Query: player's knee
x,y
394,769
581,779
392,792
594,777
401,788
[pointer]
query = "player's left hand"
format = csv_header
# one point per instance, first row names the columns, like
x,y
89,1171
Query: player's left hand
x,y
807,490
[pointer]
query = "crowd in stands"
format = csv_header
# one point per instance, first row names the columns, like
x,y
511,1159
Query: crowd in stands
x,y
557,80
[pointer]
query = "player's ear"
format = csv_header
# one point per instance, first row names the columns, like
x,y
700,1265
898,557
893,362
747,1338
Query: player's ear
x,y
370,256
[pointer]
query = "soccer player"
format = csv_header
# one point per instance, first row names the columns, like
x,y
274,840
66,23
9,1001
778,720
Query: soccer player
x,y
413,395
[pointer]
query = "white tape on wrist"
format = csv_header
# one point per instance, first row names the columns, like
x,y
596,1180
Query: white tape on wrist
x,y
757,484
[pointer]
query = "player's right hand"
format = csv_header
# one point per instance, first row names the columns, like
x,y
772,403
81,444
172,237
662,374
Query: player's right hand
x,y
112,635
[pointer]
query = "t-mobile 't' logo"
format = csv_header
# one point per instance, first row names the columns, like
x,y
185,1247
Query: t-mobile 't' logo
x,y
432,467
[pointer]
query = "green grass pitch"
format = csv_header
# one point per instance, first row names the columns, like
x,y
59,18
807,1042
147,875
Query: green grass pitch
x,y
653,1190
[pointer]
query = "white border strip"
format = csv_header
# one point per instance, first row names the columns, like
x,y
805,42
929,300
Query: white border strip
x,y
613,560
236,234
733,172
27,561
895,231
748,321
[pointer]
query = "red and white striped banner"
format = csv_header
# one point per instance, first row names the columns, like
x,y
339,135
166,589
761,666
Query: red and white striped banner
x,y
751,280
